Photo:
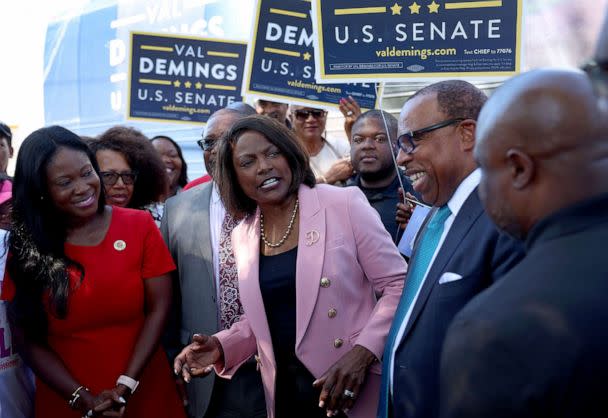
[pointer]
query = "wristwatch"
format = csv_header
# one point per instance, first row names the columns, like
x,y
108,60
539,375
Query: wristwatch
x,y
128,382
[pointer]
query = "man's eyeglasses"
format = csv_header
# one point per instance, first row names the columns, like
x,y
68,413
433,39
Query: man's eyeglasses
x,y
407,141
304,114
206,144
110,178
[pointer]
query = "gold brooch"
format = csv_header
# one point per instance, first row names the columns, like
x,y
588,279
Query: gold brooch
x,y
312,237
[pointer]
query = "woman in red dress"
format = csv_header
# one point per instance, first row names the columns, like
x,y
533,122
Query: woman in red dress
x,y
90,288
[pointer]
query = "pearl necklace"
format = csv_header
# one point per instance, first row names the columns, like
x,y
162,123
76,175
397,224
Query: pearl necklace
x,y
285,235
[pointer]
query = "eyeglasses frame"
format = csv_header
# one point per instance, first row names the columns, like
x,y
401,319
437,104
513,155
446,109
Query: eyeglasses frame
x,y
309,113
411,135
202,143
133,173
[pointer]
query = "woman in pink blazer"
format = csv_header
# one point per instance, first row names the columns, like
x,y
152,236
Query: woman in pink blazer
x,y
319,280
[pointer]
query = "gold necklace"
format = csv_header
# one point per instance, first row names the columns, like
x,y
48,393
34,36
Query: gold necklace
x,y
285,235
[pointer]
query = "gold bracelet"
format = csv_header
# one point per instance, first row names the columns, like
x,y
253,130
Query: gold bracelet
x,y
75,396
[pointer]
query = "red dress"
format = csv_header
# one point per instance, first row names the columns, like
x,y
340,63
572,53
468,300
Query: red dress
x,y
105,316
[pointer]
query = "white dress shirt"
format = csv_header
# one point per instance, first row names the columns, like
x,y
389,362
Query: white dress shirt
x,y
217,211
462,193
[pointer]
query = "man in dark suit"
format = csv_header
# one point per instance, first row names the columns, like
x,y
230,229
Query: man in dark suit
x,y
191,227
458,252
535,343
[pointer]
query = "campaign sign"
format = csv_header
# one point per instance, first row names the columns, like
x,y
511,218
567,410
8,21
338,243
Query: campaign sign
x,y
281,63
376,40
181,78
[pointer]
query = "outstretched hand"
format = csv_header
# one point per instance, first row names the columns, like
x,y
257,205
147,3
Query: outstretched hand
x,y
198,358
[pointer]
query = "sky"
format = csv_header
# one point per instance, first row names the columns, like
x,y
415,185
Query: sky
x,y
22,35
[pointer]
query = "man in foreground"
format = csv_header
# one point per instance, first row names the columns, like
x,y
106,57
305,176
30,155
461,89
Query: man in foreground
x,y
535,343
458,252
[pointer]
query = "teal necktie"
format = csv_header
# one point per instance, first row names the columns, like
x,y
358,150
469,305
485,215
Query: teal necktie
x,y
413,281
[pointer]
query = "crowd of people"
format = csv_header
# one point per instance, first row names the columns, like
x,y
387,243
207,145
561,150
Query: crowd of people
x,y
273,286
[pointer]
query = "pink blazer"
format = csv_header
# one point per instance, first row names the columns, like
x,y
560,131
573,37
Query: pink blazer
x,y
346,262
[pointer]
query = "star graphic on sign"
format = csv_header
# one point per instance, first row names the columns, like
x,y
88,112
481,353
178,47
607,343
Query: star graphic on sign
x,y
188,84
396,9
198,85
414,8
176,83
306,56
433,7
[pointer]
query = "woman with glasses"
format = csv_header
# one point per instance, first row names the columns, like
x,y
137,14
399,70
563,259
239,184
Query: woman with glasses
x,y
329,161
90,288
132,172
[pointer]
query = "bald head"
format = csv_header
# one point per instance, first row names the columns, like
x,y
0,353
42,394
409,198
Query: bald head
x,y
541,143
218,123
243,108
545,110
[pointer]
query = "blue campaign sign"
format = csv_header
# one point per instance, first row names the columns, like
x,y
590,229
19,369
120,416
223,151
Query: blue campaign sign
x,y
281,63
87,55
181,78
376,40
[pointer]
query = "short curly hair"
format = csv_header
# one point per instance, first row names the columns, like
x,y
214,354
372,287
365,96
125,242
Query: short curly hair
x,y
151,182
456,98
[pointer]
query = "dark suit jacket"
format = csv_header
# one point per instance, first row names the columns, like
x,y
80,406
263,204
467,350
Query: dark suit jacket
x,y
385,200
474,249
536,343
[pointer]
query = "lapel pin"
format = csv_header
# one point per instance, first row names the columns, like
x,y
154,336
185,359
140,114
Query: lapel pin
x,y
120,245
312,237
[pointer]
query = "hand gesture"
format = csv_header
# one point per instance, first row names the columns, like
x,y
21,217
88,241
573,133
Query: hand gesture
x,y
198,358
108,403
341,170
404,209
341,383
351,111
